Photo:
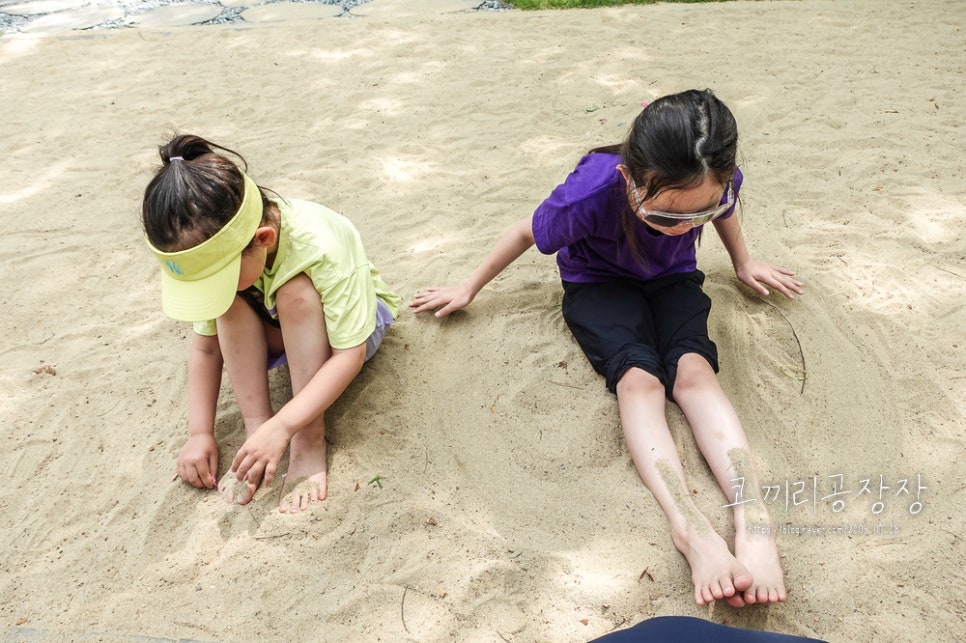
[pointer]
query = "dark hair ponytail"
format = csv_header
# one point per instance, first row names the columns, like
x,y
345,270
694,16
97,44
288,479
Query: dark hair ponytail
x,y
194,194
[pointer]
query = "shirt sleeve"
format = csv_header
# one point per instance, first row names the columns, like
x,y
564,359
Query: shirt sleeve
x,y
206,328
736,186
574,209
350,309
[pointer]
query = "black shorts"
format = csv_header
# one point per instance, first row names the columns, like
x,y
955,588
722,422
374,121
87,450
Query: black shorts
x,y
647,324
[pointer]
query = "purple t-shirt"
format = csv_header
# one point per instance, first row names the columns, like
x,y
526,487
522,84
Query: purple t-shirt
x,y
581,222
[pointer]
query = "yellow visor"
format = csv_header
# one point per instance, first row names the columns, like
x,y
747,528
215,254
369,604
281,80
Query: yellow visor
x,y
199,283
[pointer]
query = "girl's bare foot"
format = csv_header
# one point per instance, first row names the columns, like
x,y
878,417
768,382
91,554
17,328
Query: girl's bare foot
x,y
716,574
759,554
303,493
306,480
234,490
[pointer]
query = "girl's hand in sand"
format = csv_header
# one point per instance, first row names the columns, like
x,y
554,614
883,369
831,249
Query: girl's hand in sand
x,y
198,461
447,300
259,457
758,275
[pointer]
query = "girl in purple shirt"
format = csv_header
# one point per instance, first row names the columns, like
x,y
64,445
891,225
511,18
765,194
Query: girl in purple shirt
x,y
624,226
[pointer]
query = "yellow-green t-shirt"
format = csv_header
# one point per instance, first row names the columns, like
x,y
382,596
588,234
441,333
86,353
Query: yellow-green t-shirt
x,y
327,247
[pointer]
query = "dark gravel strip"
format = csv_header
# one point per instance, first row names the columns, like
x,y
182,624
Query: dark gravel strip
x,y
10,23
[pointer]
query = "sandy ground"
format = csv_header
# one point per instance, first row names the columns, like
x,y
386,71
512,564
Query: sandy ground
x,y
479,485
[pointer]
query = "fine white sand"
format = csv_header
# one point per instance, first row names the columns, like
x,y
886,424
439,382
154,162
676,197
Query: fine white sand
x,y
508,508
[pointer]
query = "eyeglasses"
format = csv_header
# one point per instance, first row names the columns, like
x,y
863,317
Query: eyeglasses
x,y
674,219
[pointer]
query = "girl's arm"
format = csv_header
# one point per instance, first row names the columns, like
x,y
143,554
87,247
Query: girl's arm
x,y
322,390
511,245
750,272
198,461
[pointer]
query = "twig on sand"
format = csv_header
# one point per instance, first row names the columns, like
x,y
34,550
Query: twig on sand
x,y
955,274
950,312
801,353
955,536
271,536
207,630
402,609
579,388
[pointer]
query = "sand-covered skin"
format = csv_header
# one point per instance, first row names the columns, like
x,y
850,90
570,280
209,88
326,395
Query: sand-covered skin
x,y
479,488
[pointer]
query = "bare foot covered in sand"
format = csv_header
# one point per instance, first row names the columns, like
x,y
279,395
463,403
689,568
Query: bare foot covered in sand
x,y
306,480
716,574
759,554
302,493
236,491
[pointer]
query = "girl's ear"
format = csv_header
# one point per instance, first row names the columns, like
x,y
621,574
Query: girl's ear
x,y
623,170
265,237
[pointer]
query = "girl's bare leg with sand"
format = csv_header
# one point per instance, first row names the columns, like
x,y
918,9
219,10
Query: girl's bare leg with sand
x,y
715,572
303,326
722,441
244,347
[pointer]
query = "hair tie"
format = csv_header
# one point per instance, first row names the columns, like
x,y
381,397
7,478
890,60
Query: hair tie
x,y
175,158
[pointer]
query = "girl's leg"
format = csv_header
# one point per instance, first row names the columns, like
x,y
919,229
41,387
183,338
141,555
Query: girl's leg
x,y
715,572
722,441
244,346
307,346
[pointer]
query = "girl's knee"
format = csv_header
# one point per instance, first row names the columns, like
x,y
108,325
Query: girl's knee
x,y
636,381
298,296
693,373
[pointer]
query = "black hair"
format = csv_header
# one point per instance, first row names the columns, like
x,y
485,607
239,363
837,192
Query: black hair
x,y
193,196
674,143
